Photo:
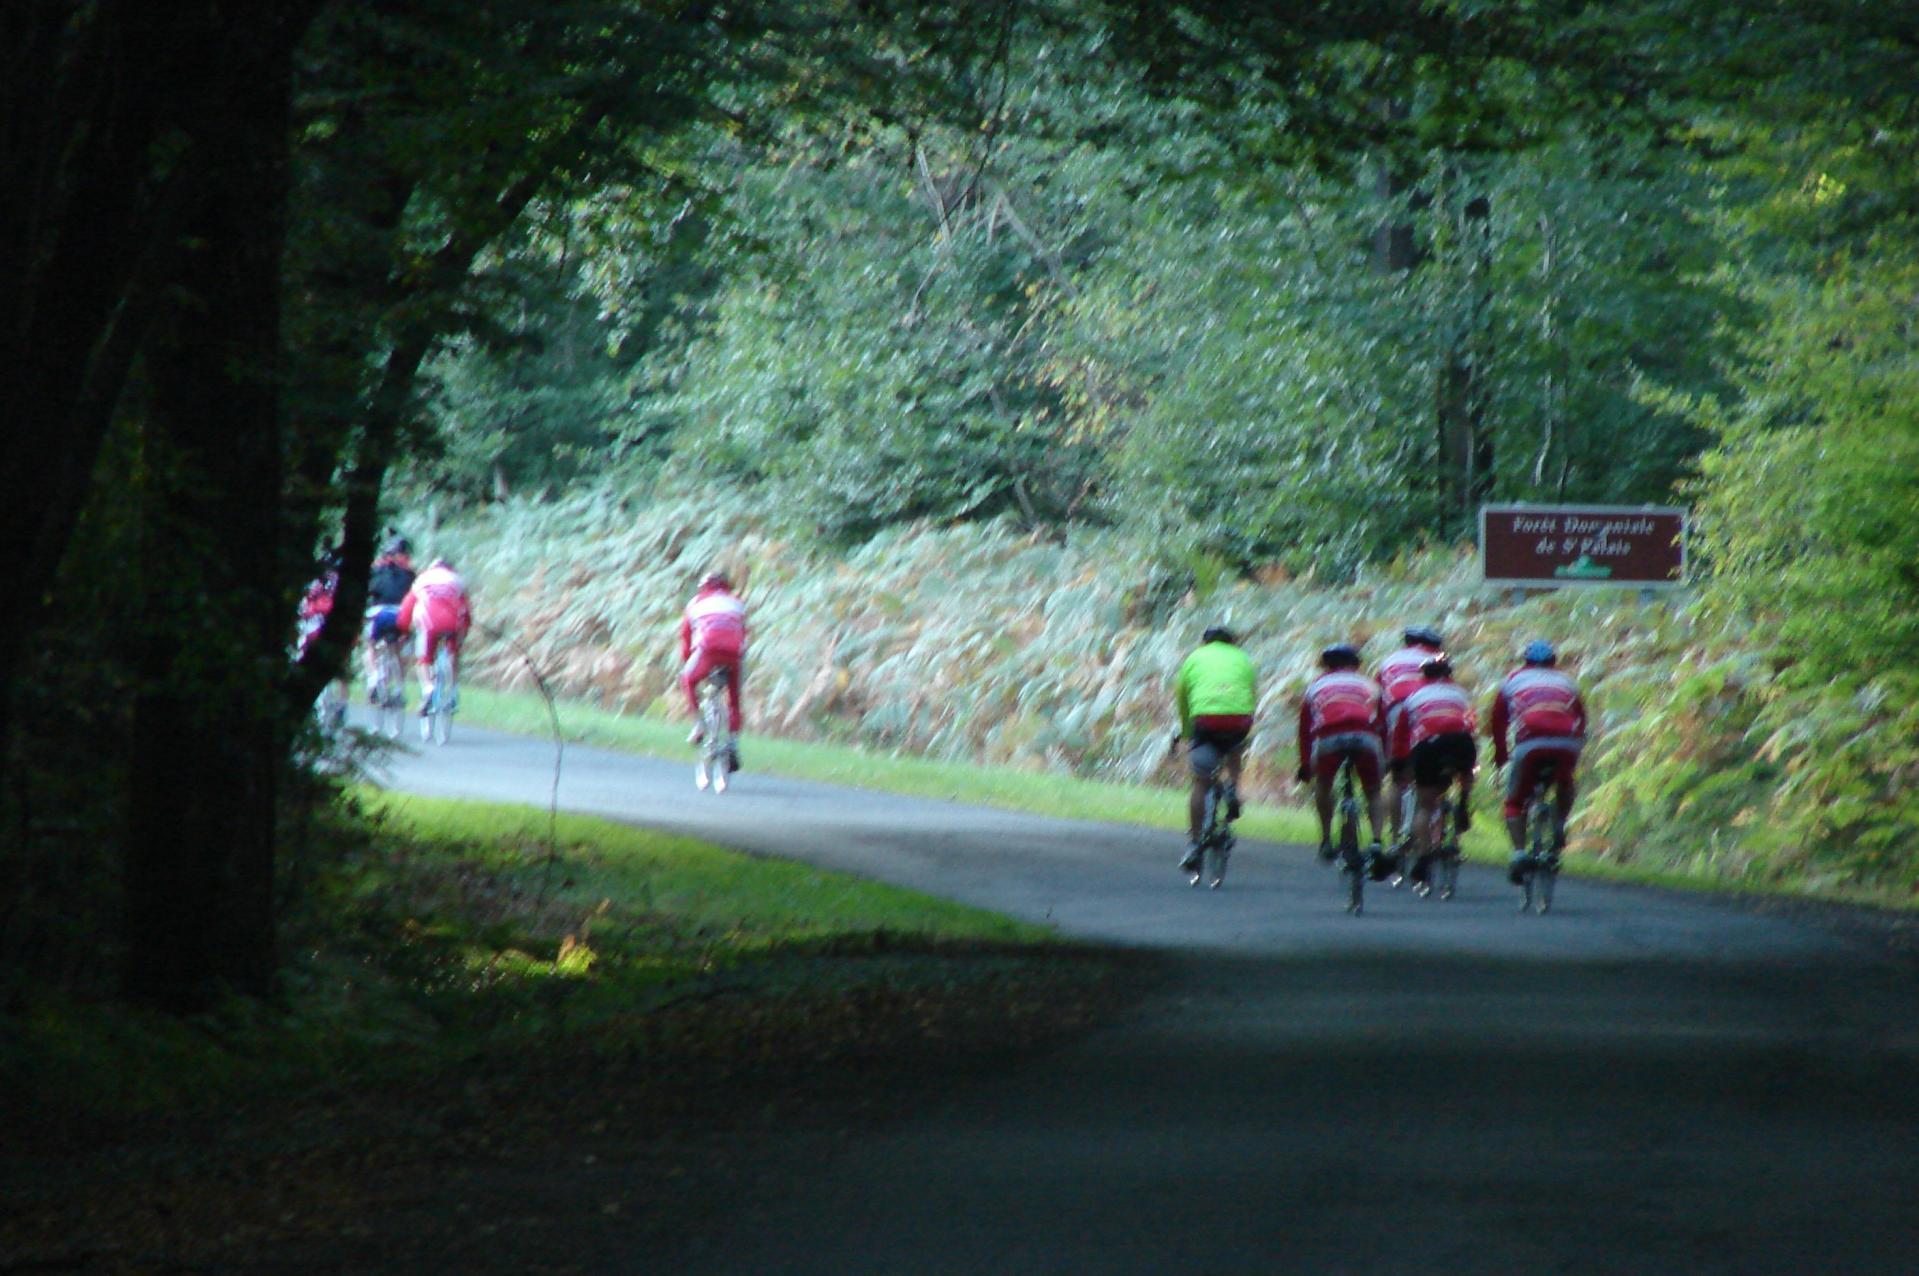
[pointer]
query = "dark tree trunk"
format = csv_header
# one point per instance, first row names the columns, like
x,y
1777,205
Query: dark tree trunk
x,y
88,217
209,720
1395,245
1465,442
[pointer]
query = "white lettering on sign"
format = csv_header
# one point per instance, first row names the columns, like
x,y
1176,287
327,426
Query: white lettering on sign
x,y
1526,525
1600,526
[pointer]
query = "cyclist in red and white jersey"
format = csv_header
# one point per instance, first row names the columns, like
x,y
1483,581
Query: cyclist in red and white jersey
x,y
1340,714
436,610
317,602
1542,708
1398,677
1435,733
713,637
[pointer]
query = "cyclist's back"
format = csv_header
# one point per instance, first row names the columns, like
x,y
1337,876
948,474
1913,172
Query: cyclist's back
x,y
713,638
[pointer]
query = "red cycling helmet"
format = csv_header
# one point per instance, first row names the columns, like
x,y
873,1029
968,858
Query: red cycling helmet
x,y
715,580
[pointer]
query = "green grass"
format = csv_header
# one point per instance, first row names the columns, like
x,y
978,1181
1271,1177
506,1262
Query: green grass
x,y
737,904
455,929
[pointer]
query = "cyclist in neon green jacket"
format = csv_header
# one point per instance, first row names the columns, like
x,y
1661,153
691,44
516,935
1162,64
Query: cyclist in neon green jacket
x,y
1215,693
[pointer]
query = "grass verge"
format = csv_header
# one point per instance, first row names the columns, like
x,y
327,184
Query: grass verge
x,y
463,991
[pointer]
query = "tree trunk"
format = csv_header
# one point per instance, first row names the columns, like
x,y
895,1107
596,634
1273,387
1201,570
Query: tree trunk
x,y
210,726
1465,443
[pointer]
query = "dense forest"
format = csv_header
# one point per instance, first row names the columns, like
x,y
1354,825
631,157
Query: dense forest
x,y
1242,291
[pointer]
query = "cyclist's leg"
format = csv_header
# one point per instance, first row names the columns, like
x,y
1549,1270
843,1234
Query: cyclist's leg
x,y
1401,771
1468,759
425,649
1520,782
1368,766
698,665
1425,815
1566,788
733,676
1323,777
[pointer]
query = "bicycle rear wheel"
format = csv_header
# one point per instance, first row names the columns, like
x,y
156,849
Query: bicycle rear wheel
x,y
1543,871
1351,867
716,741
446,696
389,691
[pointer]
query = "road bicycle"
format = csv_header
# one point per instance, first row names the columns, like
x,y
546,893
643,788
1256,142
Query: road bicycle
x,y
1541,871
1216,838
436,715
716,734
1352,866
388,689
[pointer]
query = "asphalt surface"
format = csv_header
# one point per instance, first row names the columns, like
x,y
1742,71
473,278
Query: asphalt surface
x,y
1641,1081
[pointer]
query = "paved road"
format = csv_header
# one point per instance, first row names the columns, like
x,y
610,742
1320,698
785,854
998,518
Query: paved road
x,y
1640,1082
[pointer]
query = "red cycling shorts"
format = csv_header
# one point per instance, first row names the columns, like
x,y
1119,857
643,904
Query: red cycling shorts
x,y
1367,753
1529,760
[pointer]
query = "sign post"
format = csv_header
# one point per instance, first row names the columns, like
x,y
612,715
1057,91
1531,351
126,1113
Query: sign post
x,y
1550,546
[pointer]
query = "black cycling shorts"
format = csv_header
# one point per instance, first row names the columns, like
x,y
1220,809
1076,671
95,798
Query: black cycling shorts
x,y
1436,761
1213,745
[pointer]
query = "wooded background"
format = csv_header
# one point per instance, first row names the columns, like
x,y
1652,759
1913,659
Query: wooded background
x,y
1241,291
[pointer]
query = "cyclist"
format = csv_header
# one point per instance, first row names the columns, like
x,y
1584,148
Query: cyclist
x,y
713,637
1542,707
1435,734
1342,715
386,588
1215,694
1398,677
317,602
436,610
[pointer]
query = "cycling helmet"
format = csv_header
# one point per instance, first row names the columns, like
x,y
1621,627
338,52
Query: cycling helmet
x,y
397,545
1437,667
1219,633
443,561
1424,636
1539,652
715,580
1340,656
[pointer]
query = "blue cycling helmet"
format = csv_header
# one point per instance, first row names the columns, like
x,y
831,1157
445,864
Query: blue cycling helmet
x,y
1540,652
1423,636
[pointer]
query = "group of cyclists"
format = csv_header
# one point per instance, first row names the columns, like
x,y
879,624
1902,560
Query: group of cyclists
x,y
430,607
1407,726
1408,722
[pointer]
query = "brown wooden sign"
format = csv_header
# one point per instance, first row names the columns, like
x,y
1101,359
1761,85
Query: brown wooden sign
x,y
1545,546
